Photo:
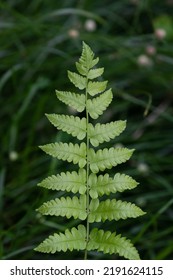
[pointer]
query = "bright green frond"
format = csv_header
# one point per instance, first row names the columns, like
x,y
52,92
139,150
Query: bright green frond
x,y
69,207
77,101
95,73
110,243
70,124
96,87
105,132
69,181
70,152
85,184
114,210
98,105
73,239
78,80
107,158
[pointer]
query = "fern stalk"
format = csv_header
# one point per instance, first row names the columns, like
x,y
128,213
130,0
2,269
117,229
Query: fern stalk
x,y
87,172
90,186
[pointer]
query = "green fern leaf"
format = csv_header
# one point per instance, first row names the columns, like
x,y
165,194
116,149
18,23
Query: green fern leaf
x,y
70,152
123,182
70,124
87,58
95,73
114,210
107,158
85,183
105,132
110,243
100,185
81,69
69,207
98,105
70,240
77,80
103,184
69,181
96,87
77,101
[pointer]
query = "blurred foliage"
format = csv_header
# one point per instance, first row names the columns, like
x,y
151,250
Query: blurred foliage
x,y
39,41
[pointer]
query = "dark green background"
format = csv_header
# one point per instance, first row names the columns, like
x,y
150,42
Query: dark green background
x,y
39,41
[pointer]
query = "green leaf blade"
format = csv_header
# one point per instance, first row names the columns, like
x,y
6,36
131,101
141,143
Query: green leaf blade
x,y
78,80
95,73
107,158
114,210
73,239
99,185
65,207
77,101
98,105
110,243
104,184
70,124
105,132
87,58
70,181
122,182
70,152
96,87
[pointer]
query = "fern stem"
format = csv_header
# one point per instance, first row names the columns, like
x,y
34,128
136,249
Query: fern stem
x,y
87,174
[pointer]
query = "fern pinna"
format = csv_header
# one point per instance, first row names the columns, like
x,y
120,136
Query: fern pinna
x,y
87,183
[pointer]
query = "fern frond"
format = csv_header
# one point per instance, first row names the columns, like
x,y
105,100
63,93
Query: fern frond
x,y
69,181
70,152
105,132
70,124
95,73
107,158
86,183
78,80
114,210
98,105
69,207
70,240
96,87
110,243
77,101
103,184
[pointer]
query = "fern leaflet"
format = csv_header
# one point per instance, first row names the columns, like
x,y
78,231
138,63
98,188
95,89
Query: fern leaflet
x,y
105,132
104,184
70,124
77,101
98,105
70,181
70,152
111,243
107,158
69,207
114,210
70,240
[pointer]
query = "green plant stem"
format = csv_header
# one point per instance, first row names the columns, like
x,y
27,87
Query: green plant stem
x,y
87,175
